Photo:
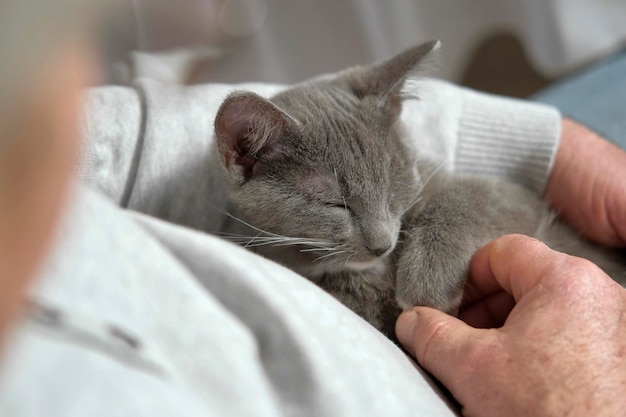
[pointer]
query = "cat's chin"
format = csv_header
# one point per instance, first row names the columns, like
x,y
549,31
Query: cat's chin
x,y
376,263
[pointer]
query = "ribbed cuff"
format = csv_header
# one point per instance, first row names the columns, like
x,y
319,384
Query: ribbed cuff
x,y
507,138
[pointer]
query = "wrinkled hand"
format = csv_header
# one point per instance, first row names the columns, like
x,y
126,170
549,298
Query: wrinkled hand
x,y
588,185
561,345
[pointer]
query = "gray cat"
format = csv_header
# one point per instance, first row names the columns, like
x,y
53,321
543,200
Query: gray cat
x,y
324,184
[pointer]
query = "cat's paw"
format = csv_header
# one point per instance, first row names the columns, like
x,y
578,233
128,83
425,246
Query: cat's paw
x,y
431,277
447,301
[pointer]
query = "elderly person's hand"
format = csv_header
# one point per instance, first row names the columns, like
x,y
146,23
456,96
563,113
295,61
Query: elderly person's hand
x,y
555,341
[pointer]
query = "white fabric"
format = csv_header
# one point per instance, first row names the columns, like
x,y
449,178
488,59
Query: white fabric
x,y
219,332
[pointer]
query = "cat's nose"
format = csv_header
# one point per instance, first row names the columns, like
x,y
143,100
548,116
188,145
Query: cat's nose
x,y
379,251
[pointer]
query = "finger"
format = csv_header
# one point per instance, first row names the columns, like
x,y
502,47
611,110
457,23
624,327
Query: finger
x,y
516,264
490,311
439,342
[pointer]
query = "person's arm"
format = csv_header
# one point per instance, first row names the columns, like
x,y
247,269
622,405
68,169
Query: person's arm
x,y
559,350
579,173
587,186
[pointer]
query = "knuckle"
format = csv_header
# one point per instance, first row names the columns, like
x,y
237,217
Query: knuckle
x,y
584,270
576,279
519,241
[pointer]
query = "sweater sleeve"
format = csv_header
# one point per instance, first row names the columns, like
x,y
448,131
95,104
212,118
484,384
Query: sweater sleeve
x,y
512,139
475,133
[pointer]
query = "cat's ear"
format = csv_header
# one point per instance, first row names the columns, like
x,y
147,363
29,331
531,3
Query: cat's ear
x,y
387,78
249,129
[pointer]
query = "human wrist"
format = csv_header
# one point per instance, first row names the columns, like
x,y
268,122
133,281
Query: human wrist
x,y
585,186
569,147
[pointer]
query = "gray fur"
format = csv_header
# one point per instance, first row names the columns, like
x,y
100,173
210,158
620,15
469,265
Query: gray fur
x,y
324,184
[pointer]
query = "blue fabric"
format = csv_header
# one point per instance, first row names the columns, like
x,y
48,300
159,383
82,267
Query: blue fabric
x,y
595,97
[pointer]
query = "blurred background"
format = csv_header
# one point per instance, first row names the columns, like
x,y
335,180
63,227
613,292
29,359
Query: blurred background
x,y
510,47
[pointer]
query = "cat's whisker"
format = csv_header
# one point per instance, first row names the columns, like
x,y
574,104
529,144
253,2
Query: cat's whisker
x,y
345,262
266,243
412,204
248,224
308,241
432,174
329,255
263,241
279,240
232,236
331,249
257,237
418,196
316,245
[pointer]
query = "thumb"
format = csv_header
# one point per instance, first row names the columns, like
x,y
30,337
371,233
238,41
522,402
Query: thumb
x,y
441,343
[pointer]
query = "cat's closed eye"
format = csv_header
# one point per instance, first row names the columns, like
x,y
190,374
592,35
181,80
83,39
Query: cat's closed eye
x,y
339,205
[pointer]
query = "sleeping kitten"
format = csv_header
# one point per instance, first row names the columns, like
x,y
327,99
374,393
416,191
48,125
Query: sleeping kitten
x,y
324,184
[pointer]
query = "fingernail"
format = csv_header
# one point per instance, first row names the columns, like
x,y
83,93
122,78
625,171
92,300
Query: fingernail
x,y
405,326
